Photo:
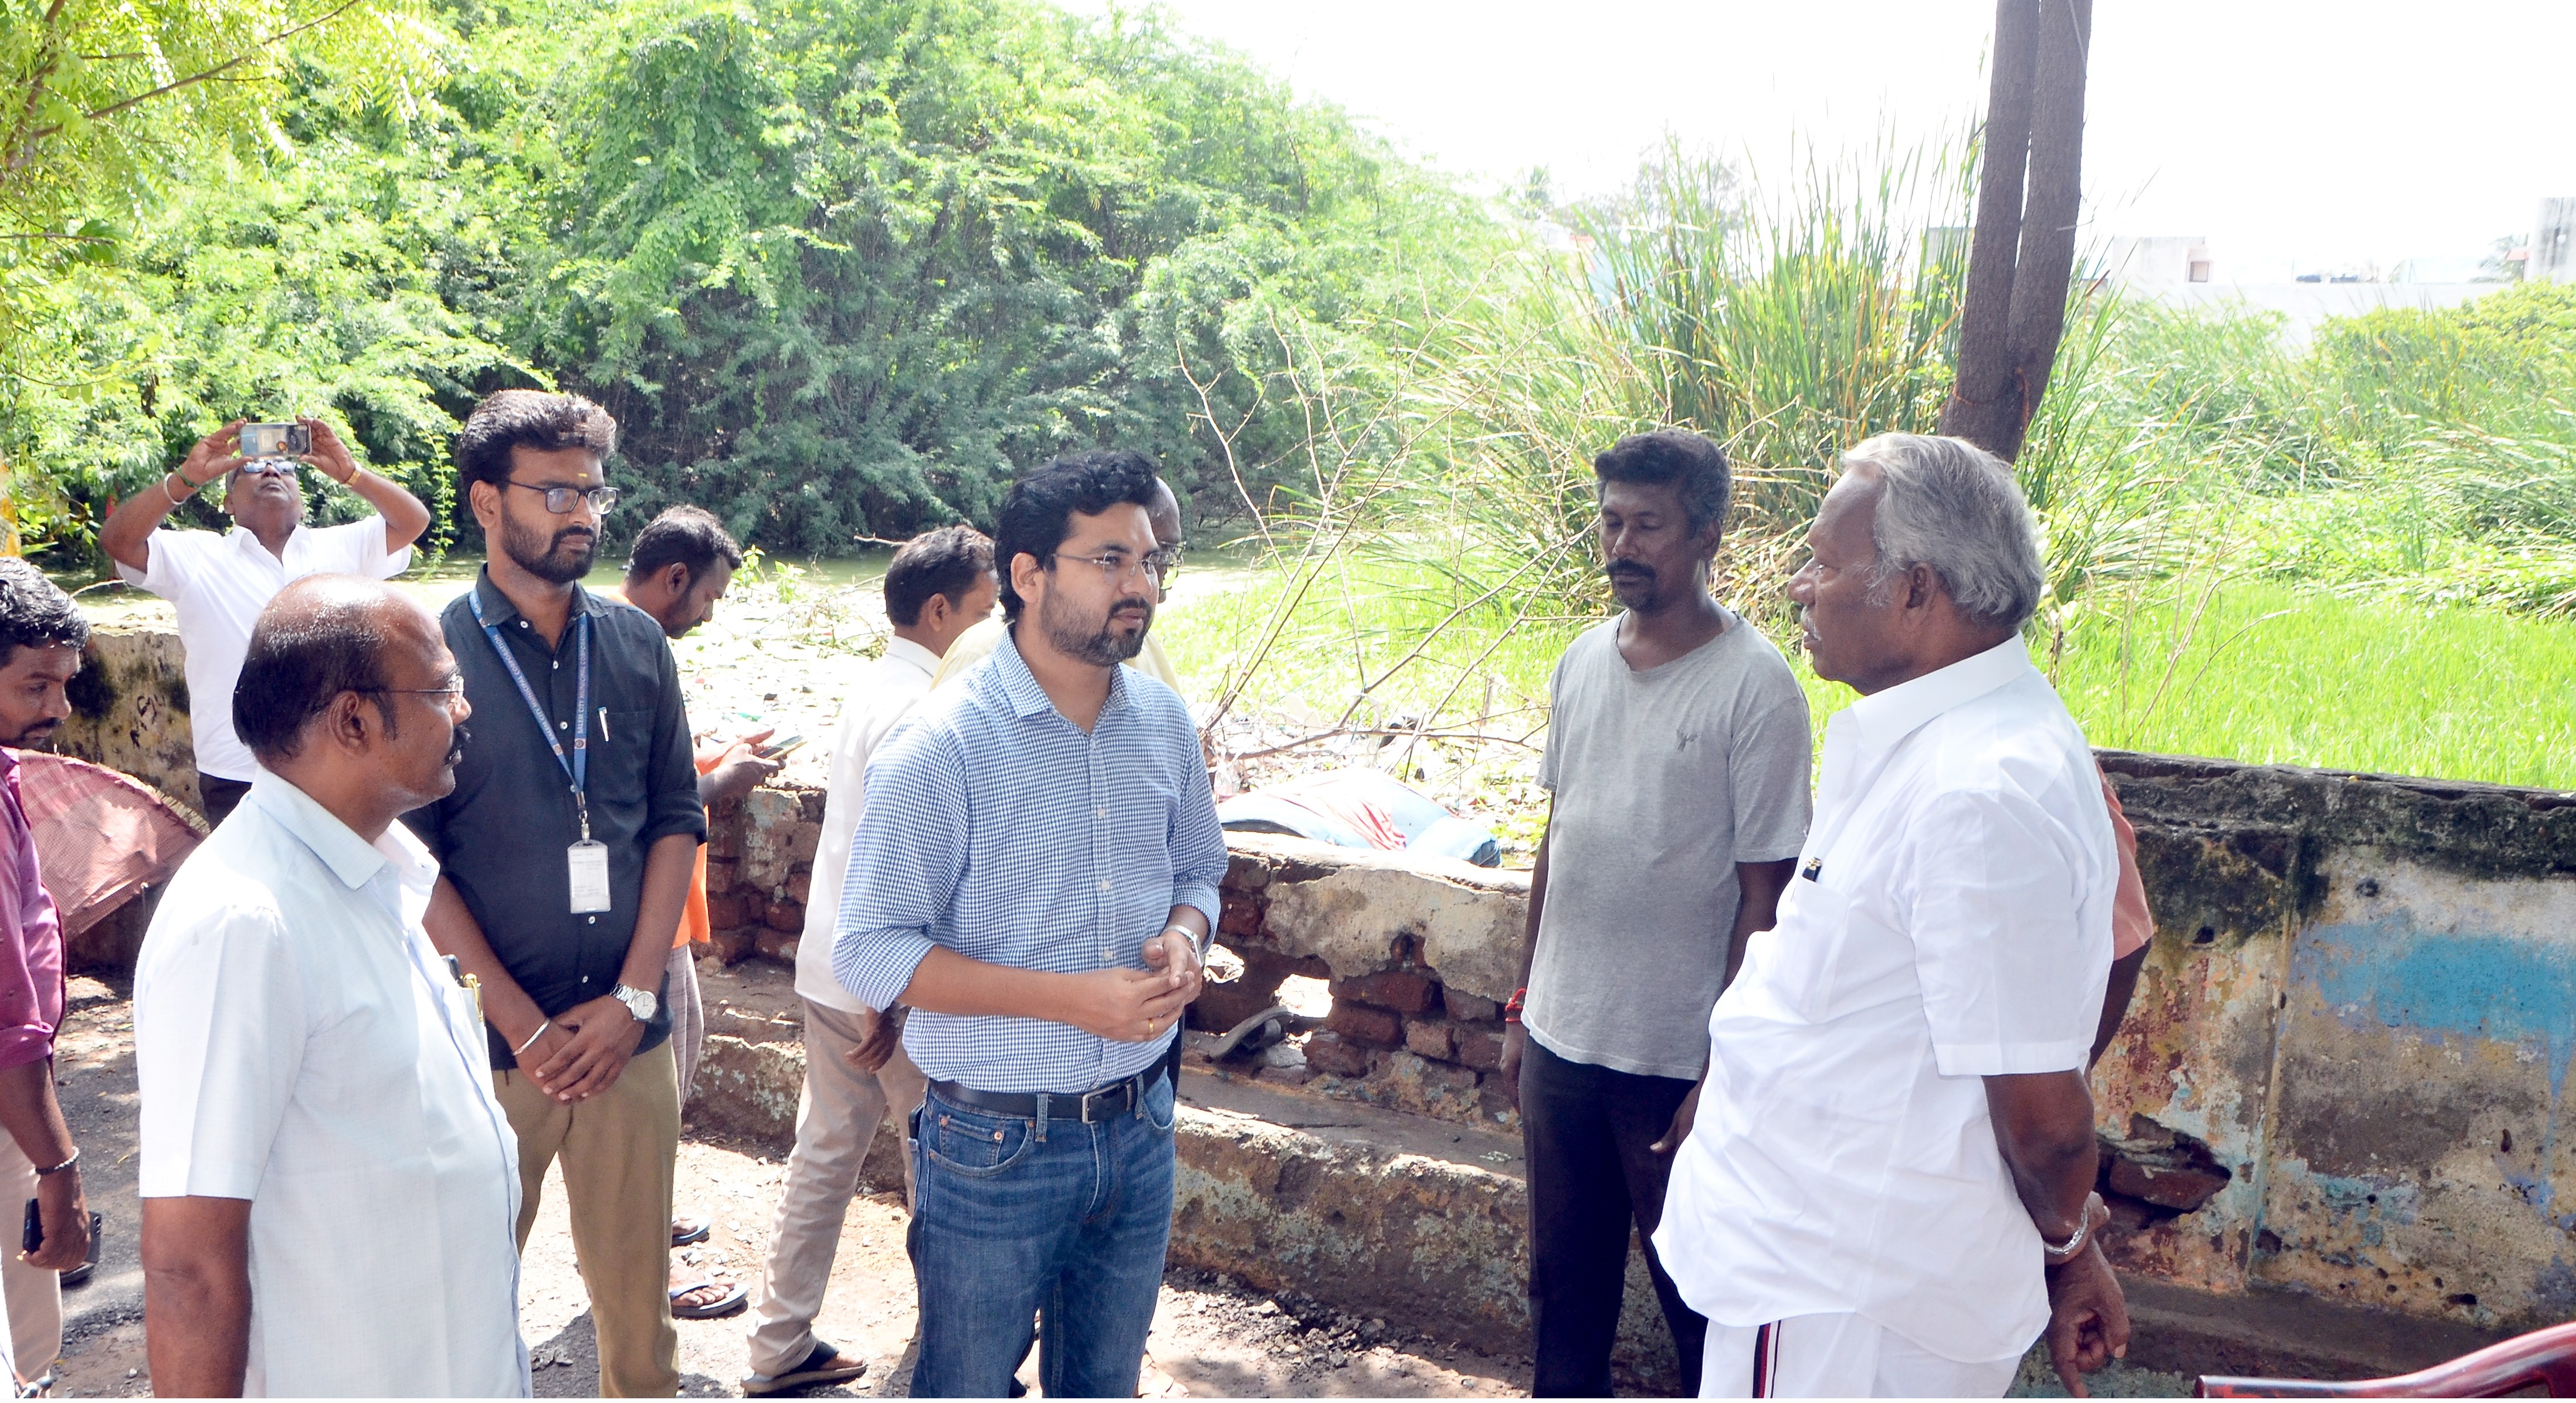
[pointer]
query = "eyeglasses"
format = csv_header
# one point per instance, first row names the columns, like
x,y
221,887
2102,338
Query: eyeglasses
x,y
455,688
559,500
266,467
1161,564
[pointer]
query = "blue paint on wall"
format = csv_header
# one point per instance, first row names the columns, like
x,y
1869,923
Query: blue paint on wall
x,y
2443,984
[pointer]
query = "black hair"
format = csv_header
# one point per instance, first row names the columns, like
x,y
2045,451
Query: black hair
x,y
35,611
304,651
527,419
1038,511
1659,456
947,561
688,536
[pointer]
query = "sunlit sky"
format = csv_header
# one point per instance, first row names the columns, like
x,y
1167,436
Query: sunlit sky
x,y
2295,137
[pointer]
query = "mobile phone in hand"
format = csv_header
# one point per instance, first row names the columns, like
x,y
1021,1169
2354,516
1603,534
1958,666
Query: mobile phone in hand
x,y
32,1236
772,752
275,440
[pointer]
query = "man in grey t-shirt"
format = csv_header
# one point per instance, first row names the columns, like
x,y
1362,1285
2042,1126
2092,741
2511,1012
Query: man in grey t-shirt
x,y
1677,757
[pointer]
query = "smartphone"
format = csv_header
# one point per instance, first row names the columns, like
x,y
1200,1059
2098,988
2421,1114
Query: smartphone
x,y
32,1236
275,440
772,752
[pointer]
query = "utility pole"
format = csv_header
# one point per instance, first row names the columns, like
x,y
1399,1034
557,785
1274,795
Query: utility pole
x,y
2029,193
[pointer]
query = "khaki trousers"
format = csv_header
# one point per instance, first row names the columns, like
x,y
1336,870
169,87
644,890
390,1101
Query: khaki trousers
x,y
688,1014
617,1149
837,1116
34,1296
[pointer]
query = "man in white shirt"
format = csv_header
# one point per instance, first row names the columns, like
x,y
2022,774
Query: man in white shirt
x,y
1888,1188
856,1074
220,583
329,1183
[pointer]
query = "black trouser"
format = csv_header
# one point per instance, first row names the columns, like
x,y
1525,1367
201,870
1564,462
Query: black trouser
x,y
1587,1130
222,796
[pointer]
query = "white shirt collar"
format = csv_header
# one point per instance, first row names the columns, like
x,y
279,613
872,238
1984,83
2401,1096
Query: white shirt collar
x,y
352,859
242,539
898,647
1882,719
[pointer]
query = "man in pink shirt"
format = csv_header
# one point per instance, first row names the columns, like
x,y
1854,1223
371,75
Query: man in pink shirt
x,y
41,636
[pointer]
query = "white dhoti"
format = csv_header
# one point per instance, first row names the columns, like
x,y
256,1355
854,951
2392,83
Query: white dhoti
x,y
1838,1356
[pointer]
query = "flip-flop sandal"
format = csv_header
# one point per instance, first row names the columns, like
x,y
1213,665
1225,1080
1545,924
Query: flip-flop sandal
x,y
687,1230
736,1296
815,1372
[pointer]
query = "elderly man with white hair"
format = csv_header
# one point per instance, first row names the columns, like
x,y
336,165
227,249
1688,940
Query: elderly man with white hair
x,y
1887,1187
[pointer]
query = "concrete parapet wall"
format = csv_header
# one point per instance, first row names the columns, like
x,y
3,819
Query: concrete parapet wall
x,y
2359,1010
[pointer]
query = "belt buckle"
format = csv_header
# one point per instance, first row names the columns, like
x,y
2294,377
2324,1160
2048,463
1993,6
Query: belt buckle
x,y
1089,1098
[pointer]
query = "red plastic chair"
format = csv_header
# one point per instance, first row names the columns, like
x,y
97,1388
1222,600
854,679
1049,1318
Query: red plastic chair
x,y
2544,1357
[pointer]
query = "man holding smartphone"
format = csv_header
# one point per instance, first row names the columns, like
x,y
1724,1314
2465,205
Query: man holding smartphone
x,y
219,584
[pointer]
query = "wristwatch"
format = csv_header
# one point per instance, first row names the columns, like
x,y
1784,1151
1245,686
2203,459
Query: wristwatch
x,y
637,1001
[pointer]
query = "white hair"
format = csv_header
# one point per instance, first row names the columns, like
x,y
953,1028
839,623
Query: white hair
x,y
1946,503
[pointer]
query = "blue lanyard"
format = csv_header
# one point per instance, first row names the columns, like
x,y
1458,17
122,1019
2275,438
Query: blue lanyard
x,y
577,768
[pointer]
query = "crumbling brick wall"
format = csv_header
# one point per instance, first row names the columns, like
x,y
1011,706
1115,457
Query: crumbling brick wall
x,y
1420,955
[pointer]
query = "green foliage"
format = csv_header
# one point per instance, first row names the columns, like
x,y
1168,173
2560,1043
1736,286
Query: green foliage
x,y
840,268
104,108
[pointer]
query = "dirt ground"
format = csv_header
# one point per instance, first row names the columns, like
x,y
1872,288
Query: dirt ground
x,y
1212,1337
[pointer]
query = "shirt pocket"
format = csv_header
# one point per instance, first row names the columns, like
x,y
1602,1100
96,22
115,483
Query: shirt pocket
x,y
1806,947
621,759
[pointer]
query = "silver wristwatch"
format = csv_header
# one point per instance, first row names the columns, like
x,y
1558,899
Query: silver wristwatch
x,y
638,1002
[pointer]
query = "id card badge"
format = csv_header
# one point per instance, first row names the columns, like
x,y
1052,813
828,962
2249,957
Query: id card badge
x,y
589,859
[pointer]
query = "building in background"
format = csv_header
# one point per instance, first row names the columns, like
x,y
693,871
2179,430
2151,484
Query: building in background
x,y
2182,271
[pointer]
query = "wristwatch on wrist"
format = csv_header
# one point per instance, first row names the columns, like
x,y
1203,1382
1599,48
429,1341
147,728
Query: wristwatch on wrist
x,y
638,1002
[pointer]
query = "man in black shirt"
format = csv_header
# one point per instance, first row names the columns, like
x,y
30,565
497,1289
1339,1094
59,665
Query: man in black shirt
x,y
565,854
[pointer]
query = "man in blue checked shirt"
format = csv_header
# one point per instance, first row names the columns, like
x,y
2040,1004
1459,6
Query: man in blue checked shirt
x,y
1035,878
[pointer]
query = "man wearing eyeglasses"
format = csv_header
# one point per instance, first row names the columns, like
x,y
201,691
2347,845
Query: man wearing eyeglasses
x,y
1164,515
327,1183
1035,877
219,583
566,850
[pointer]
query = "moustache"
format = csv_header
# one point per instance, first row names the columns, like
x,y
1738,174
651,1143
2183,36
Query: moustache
x,y
1136,602
583,533
1627,570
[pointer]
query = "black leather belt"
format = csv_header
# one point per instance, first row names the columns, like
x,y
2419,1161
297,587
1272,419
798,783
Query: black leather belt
x,y
1115,1099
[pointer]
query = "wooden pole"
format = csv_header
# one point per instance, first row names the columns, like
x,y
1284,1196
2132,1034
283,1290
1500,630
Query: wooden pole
x,y
2030,193
2047,265
1981,397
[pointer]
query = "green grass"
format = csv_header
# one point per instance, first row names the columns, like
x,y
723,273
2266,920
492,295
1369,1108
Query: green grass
x,y
2249,671
2303,677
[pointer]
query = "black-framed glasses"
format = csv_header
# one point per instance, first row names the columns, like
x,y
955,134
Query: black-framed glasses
x,y
559,500
1160,564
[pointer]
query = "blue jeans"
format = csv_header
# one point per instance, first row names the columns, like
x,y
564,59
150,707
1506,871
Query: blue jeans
x,y
1018,1218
